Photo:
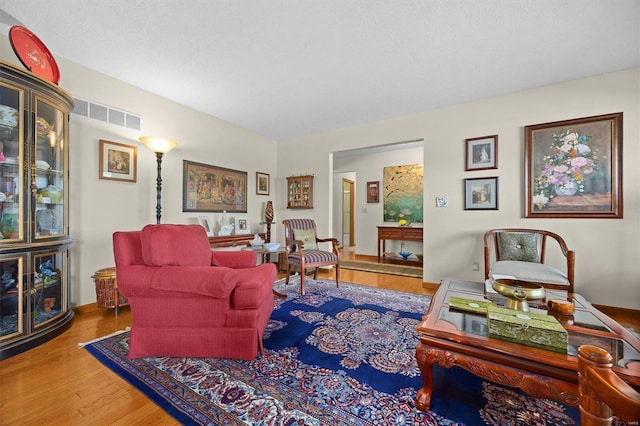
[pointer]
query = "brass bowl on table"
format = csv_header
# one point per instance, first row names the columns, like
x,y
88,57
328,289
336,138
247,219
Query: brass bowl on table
x,y
518,292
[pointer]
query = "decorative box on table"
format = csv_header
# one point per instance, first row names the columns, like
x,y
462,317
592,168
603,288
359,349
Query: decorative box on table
x,y
526,328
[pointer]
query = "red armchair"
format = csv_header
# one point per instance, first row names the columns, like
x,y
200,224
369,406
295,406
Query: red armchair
x,y
189,301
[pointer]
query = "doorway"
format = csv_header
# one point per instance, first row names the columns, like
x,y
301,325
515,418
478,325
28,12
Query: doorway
x,y
348,230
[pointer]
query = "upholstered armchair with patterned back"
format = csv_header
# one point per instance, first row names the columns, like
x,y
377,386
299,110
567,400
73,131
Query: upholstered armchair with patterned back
x,y
189,301
520,254
303,251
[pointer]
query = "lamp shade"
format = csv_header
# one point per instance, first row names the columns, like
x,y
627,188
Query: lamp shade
x,y
158,144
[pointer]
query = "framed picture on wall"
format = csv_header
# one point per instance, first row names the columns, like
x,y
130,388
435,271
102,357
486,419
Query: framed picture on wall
x,y
373,192
481,153
262,183
574,168
208,188
118,161
481,193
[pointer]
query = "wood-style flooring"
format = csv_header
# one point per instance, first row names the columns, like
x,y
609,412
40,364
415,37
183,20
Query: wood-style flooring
x,y
59,384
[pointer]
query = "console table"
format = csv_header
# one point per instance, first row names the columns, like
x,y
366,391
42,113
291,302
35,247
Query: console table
x,y
406,233
233,240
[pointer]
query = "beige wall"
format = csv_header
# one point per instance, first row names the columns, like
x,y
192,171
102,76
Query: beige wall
x,y
100,207
607,250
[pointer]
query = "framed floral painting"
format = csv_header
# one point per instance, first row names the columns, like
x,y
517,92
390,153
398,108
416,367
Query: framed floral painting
x,y
574,168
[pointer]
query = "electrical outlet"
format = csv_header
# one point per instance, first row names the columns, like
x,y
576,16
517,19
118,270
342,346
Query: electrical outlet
x,y
475,266
441,201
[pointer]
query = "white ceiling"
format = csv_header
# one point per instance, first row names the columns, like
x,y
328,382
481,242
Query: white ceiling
x,y
287,68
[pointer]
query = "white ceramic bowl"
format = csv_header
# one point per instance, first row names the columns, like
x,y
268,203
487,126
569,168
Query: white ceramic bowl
x,y
273,246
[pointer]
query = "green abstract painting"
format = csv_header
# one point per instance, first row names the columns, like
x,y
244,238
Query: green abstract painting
x,y
403,193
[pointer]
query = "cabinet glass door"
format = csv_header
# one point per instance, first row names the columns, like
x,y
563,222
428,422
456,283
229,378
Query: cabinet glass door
x,y
49,169
48,286
11,157
11,297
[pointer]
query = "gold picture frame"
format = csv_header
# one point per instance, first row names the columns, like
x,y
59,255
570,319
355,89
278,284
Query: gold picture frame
x,y
118,161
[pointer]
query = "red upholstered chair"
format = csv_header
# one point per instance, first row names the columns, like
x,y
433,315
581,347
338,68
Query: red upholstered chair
x,y
189,301
303,251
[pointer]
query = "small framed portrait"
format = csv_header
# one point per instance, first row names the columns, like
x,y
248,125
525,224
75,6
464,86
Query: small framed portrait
x,y
204,222
242,225
481,153
118,161
373,192
262,183
481,193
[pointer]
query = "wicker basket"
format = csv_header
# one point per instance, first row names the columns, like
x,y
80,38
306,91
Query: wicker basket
x,y
107,289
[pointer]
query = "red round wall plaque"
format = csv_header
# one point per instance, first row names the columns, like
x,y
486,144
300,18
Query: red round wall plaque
x,y
33,54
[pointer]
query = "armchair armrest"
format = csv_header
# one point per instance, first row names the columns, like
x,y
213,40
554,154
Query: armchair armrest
x,y
334,243
254,286
234,259
216,282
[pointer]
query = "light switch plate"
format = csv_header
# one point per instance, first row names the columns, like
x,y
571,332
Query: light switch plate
x,y
441,201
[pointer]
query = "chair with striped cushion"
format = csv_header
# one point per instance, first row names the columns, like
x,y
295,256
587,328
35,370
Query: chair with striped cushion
x,y
303,251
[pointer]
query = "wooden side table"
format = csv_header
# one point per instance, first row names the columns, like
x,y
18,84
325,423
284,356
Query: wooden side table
x,y
406,233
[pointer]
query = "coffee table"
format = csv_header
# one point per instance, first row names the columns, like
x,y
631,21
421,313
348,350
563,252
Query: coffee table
x,y
452,337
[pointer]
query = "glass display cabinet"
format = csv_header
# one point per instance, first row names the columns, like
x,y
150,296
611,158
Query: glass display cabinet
x,y
300,192
34,212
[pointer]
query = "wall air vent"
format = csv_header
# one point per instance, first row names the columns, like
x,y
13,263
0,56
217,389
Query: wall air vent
x,y
107,114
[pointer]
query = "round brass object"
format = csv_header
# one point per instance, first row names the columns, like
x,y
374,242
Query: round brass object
x,y
518,292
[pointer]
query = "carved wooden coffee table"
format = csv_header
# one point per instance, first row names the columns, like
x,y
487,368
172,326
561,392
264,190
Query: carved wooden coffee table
x,y
452,337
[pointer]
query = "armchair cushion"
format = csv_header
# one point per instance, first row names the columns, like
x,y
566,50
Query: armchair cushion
x,y
308,238
178,245
519,246
529,271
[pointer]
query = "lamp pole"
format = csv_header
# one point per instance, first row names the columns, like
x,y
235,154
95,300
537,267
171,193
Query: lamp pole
x,y
159,187
160,147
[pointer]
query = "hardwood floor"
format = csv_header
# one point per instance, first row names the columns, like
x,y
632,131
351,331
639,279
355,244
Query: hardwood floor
x,y
58,383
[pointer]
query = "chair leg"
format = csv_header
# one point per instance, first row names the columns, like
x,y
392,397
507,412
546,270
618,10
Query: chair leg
x,y
337,275
303,271
286,281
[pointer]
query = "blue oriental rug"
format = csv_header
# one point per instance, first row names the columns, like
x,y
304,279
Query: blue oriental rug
x,y
332,357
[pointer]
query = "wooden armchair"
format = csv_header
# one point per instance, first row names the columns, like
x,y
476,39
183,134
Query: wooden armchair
x,y
303,252
601,391
520,254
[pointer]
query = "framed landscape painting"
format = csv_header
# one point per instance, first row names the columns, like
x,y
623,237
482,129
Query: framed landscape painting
x,y
213,189
574,168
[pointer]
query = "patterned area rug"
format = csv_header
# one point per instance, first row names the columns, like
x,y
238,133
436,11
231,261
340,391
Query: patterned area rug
x,y
382,268
333,357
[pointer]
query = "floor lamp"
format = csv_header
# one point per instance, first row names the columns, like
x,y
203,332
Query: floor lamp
x,y
160,146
